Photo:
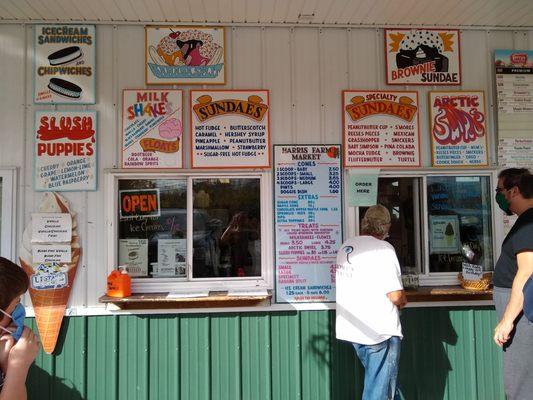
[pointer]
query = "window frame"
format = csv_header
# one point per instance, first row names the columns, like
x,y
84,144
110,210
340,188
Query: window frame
x,y
189,284
427,278
9,211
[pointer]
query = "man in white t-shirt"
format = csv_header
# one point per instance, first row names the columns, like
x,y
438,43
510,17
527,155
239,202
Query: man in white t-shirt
x,y
369,295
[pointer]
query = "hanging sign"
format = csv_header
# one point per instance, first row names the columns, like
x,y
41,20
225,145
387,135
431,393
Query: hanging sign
x,y
65,150
152,128
64,64
185,55
230,129
139,203
381,129
423,57
308,221
458,128
363,188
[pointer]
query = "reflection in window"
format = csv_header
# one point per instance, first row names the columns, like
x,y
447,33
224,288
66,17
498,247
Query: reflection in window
x,y
227,240
459,222
153,227
399,195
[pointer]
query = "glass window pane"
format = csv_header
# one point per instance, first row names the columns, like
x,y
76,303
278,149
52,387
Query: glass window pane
x,y
226,226
153,227
459,222
400,197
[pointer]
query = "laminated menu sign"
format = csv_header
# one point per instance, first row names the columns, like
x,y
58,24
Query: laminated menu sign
x,y
308,221
458,128
514,91
134,254
230,129
65,151
381,129
423,56
152,128
64,64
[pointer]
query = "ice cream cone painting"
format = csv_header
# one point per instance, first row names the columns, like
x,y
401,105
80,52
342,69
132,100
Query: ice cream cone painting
x,y
50,281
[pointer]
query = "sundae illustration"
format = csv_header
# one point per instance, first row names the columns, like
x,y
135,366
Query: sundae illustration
x,y
421,46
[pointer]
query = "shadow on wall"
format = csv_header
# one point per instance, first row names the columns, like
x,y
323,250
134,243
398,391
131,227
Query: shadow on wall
x,y
46,387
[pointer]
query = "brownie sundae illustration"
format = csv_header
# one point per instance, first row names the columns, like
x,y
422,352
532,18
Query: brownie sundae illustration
x,y
420,47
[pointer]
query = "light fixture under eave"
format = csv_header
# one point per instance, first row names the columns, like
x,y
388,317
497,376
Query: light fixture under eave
x,y
306,17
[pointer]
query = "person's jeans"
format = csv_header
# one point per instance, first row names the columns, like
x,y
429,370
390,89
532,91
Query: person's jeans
x,y
381,368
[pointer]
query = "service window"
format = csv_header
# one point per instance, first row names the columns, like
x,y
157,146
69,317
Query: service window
x,y
439,221
197,231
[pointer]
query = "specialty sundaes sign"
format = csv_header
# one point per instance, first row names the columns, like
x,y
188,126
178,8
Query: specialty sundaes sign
x,y
64,66
152,128
381,128
230,129
65,150
184,55
423,56
458,128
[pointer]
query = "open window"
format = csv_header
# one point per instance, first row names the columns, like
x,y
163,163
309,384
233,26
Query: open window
x,y
440,219
191,231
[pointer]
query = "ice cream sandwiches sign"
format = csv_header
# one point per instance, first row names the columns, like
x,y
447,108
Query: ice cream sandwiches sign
x,y
230,129
423,56
152,129
65,150
458,128
64,64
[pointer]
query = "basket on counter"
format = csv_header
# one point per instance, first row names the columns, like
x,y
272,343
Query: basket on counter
x,y
481,284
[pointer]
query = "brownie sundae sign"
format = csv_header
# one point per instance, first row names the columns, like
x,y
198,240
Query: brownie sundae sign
x,y
423,56
65,150
64,64
184,55
152,128
458,128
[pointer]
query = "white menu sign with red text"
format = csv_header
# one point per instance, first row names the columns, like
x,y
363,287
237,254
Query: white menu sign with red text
x,y
230,129
423,56
381,128
458,128
152,128
65,151
308,221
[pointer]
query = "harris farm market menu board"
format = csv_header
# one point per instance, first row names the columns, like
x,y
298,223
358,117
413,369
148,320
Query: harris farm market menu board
x,y
65,151
64,64
381,129
308,221
230,129
458,128
152,128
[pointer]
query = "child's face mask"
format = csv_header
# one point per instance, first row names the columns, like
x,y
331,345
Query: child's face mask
x,y
17,316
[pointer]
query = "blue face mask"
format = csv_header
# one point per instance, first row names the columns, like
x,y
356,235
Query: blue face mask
x,y
17,316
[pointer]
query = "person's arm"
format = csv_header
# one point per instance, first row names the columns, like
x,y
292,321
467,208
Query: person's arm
x,y
504,328
20,358
398,298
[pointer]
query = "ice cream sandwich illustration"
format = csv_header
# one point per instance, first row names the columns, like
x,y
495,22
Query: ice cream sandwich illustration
x,y
65,55
64,88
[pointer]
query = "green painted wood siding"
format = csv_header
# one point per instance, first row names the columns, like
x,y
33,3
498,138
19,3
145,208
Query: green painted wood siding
x,y
447,353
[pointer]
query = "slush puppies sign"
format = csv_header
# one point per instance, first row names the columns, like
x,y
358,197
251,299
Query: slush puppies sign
x,y
423,56
65,150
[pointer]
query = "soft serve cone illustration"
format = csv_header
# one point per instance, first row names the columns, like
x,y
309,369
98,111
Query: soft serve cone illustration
x,y
50,283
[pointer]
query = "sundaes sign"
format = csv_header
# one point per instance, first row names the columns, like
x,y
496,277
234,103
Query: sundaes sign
x,y
423,57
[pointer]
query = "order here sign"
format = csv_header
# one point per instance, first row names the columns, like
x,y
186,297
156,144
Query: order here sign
x,y
139,203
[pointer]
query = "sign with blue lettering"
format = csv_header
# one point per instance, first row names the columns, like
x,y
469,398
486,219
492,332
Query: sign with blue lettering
x,y
308,221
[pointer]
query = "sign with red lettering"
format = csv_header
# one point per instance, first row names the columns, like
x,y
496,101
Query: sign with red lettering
x,y
230,129
152,127
423,56
139,203
458,128
65,150
381,129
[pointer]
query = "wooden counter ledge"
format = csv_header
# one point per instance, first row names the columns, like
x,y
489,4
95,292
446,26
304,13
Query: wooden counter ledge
x,y
446,293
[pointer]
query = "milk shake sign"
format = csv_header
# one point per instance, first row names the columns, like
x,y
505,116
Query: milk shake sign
x,y
423,56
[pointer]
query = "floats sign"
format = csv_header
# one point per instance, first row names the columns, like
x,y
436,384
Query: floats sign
x,y
65,150
423,56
